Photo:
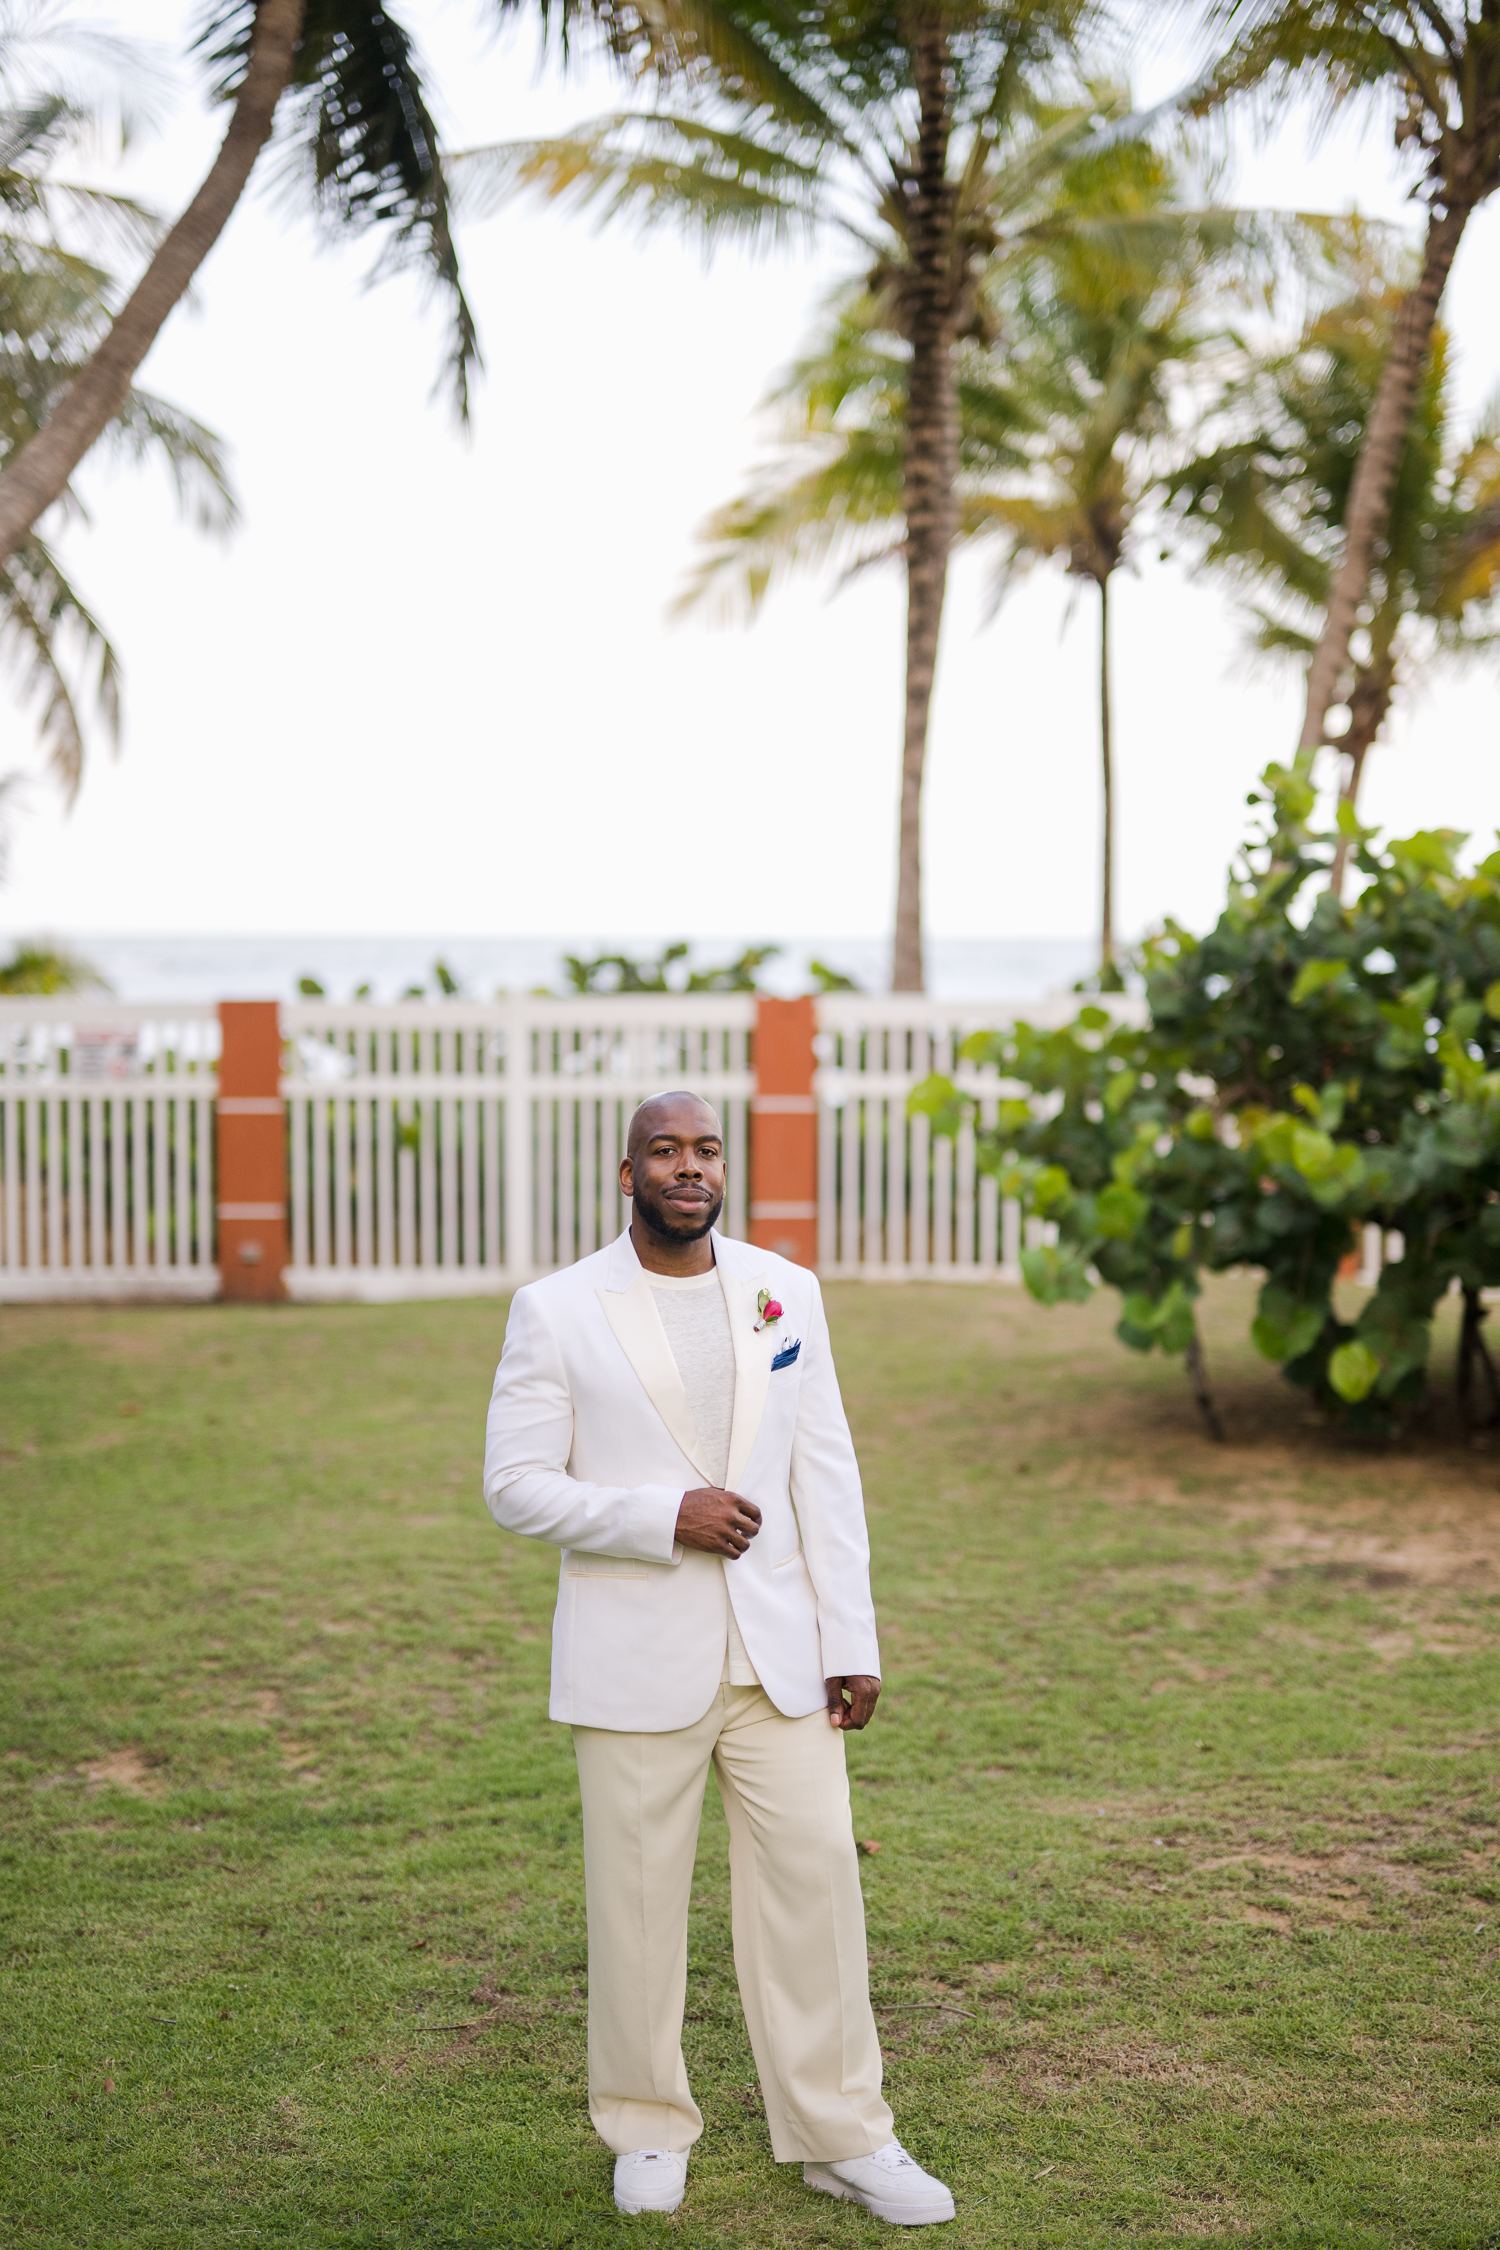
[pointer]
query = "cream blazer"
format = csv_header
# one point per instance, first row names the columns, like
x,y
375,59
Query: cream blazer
x,y
591,1445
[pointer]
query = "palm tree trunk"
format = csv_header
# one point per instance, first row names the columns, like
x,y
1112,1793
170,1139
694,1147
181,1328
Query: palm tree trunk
x,y
1348,795
930,478
39,473
1108,974
1379,460
1374,686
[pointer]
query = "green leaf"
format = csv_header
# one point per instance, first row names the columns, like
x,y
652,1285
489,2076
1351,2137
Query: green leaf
x,y
938,1098
1353,1370
1055,1276
1120,1211
1051,1188
1316,976
1285,1329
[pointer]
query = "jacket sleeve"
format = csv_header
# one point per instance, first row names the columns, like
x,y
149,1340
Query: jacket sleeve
x,y
831,1510
528,1439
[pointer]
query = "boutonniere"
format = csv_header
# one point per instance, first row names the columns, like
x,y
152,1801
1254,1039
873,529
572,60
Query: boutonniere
x,y
769,1310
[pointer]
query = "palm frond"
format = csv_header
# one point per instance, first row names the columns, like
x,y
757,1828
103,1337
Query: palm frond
x,y
845,512
363,140
150,427
735,49
46,629
1276,47
650,168
12,797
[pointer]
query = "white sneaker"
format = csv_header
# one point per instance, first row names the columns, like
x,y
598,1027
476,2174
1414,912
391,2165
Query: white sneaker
x,y
890,2184
651,2179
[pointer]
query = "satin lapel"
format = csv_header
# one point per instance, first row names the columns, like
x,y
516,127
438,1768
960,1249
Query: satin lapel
x,y
633,1316
752,1368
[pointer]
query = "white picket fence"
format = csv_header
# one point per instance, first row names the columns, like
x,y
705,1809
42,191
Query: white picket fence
x,y
895,1201
106,1149
444,1148
447,1149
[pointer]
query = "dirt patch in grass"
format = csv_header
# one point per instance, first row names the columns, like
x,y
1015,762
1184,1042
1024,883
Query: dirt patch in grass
x,y
124,1769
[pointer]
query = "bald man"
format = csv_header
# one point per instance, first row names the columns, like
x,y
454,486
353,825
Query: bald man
x,y
667,1413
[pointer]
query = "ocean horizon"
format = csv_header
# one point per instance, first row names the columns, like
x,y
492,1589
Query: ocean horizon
x,y
234,966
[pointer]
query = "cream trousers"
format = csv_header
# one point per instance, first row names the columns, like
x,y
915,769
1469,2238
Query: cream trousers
x,y
797,1913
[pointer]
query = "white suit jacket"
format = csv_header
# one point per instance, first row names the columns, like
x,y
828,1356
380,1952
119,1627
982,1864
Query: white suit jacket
x,y
591,1445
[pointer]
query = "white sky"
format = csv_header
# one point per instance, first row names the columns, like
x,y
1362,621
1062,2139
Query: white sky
x,y
429,684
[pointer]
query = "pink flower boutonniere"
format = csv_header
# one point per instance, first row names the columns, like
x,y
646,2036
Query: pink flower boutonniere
x,y
769,1310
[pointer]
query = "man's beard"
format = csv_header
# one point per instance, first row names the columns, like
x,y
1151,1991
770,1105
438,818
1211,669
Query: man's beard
x,y
671,1225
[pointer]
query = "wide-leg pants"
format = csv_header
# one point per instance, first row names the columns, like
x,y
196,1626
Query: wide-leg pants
x,y
797,1915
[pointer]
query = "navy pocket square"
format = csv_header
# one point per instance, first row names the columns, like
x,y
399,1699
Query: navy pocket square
x,y
787,1354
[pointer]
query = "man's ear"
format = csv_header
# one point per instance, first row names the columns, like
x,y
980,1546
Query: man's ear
x,y
627,1177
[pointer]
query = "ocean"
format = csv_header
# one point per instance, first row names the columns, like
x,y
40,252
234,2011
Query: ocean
x,y
223,967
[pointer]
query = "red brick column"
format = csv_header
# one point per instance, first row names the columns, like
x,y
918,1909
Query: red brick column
x,y
784,1131
251,1152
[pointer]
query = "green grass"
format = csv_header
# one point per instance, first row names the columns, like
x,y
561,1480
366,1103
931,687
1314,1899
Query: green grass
x,y
1184,1787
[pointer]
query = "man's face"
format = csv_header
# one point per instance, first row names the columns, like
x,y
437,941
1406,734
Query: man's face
x,y
675,1169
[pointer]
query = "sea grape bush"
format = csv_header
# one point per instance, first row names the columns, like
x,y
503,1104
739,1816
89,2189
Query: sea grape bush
x,y
1301,1075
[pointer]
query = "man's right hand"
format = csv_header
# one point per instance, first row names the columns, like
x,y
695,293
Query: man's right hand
x,y
721,1523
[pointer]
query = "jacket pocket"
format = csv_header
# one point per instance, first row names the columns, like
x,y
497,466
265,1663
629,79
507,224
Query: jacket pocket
x,y
794,1556
601,1566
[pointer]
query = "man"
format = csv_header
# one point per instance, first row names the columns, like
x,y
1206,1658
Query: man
x,y
667,1413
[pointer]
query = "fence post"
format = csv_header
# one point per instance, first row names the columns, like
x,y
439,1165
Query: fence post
x,y
518,1227
251,1152
784,1131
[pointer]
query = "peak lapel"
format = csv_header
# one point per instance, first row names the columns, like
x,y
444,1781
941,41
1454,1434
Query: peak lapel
x,y
633,1316
752,1365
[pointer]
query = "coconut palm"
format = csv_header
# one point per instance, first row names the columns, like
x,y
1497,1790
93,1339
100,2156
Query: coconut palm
x,y
342,82
932,143
922,141
1435,66
1271,501
1104,342
54,306
1061,421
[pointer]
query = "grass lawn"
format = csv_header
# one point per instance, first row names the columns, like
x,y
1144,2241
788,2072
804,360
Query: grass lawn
x,y
1185,1908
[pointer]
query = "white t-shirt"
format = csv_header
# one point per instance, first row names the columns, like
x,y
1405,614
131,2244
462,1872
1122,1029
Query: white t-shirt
x,y
696,1319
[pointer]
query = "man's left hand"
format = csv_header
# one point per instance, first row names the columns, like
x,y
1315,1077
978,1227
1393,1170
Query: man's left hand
x,y
862,1692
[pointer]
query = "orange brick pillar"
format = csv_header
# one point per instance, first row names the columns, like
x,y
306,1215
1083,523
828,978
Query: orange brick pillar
x,y
251,1152
784,1131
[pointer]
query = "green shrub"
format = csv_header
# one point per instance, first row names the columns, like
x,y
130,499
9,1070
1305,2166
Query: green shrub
x,y
1302,1075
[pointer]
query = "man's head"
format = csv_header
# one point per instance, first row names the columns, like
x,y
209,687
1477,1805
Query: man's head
x,y
674,1166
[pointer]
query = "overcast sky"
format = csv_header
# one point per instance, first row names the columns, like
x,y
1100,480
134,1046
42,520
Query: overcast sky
x,y
429,684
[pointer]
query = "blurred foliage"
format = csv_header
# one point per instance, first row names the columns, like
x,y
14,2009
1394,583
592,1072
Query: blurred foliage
x,y
36,967
1299,1078
617,972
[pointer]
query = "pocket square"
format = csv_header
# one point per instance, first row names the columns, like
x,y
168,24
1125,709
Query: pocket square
x,y
787,1354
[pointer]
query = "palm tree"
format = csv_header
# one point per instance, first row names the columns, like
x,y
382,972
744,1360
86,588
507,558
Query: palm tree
x,y
345,77
1438,66
54,306
1061,425
1272,498
1104,339
921,139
